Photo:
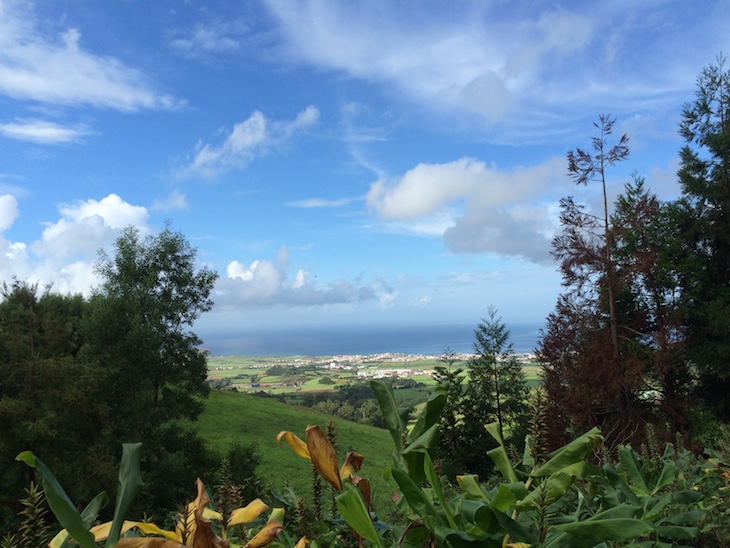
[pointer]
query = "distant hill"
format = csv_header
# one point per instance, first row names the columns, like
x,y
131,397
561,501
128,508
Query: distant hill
x,y
230,417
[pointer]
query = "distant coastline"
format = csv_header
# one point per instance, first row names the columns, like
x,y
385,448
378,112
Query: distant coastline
x,y
353,340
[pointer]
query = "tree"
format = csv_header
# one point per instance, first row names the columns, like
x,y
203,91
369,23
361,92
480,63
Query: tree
x,y
589,378
47,401
702,221
496,391
451,378
649,309
584,167
649,381
152,371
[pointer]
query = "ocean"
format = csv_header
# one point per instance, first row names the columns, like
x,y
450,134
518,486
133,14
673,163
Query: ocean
x,y
350,340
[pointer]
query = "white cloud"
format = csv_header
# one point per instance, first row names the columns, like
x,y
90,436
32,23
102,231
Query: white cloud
x,y
251,138
67,248
8,211
60,71
175,201
528,71
207,39
266,283
42,132
472,206
318,202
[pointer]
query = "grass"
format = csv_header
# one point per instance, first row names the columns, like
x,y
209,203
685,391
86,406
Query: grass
x,y
230,417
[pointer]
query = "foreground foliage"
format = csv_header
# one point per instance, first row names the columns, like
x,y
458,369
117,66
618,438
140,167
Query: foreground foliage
x,y
561,499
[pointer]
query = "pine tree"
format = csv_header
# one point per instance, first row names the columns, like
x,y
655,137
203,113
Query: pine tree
x,y
496,392
702,219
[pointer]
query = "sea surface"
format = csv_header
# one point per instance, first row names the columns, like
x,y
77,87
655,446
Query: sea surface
x,y
349,340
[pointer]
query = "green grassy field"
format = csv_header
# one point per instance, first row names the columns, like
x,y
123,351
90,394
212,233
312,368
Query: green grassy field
x,y
230,417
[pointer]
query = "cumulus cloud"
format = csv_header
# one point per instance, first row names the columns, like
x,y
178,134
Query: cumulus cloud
x,y
253,137
42,131
475,207
37,67
267,283
66,250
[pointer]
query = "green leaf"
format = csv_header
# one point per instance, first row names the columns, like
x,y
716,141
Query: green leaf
x,y
417,500
58,501
575,451
433,479
430,414
355,513
130,482
686,518
629,458
617,529
505,499
414,453
620,486
386,400
686,497
555,486
499,455
667,476
653,512
676,532
457,538
469,485
425,443
480,514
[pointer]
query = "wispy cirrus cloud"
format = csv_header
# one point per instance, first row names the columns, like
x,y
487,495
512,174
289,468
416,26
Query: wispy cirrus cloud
x,y
43,132
58,70
319,202
210,38
526,72
176,200
249,139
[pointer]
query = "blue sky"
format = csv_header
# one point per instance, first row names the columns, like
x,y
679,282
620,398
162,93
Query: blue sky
x,y
336,162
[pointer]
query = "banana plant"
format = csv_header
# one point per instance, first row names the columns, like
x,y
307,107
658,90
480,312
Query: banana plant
x,y
78,525
353,500
194,528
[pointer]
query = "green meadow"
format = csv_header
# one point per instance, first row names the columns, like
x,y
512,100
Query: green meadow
x,y
230,417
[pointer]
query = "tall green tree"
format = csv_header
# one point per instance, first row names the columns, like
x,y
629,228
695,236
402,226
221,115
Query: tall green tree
x,y
496,391
451,377
47,401
152,369
702,219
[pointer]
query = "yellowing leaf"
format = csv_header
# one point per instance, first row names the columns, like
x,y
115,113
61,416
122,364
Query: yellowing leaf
x,y
152,529
303,543
147,543
296,444
323,456
353,463
101,531
266,535
248,513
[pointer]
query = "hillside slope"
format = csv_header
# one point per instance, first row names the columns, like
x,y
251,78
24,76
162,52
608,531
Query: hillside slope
x,y
230,417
